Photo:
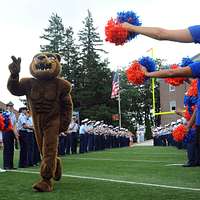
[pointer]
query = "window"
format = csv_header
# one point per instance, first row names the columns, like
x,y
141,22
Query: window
x,y
172,105
171,88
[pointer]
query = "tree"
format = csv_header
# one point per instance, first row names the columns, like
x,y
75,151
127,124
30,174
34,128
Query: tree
x,y
71,63
95,86
54,35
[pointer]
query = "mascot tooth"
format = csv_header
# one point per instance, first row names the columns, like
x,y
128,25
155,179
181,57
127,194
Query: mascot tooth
x,y
50,102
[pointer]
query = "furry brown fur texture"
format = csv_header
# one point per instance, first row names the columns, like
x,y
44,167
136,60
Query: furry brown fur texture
x,y
50,103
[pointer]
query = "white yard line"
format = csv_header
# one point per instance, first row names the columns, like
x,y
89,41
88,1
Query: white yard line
x,y
119,160
175,164
116,181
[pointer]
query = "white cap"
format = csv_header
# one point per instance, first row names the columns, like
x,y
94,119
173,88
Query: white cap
x,y
184,121
173,123
97,123
179,121
85,120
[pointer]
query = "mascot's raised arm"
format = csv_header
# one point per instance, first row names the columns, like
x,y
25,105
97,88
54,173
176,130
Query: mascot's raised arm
x,y
50,102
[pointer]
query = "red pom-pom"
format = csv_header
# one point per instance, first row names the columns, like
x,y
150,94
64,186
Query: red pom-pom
x,y
175,81
134,74
10,127
179,133
115,33
1,123
192,89
187,115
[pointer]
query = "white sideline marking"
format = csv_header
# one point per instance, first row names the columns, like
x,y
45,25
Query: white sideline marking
x,y
173,164
118,160
117,181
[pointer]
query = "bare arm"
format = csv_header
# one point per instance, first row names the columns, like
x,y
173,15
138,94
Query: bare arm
x,y
179,35
182,72
180,113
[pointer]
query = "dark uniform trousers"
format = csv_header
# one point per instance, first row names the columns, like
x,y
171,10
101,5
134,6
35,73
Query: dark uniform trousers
x,y
23,141
73,142
30,145
8,150
82,140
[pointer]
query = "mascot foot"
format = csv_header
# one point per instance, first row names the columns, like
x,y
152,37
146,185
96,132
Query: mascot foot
x,y
58,172
43,186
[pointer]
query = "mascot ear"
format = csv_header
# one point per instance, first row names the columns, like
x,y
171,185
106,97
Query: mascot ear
x,y
58,56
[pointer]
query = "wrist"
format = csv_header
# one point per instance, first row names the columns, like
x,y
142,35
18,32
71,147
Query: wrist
x,y
147,74
14,75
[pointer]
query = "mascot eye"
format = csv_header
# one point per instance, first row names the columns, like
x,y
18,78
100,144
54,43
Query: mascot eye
x,y
40,57
51,57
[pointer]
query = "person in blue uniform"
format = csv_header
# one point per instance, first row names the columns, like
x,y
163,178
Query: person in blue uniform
x,y
73,131
22,127
8,139
83,136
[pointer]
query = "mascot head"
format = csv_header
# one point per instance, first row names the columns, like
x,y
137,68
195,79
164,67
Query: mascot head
x,y
45,66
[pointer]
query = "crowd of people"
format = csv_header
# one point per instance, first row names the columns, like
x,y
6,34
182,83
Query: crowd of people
x,y
20,136
162,135
90,135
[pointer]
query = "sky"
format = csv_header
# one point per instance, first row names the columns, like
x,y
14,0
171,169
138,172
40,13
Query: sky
x,y
22,22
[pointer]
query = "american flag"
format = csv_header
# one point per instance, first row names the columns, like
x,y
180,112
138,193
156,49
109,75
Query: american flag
x,y
115,85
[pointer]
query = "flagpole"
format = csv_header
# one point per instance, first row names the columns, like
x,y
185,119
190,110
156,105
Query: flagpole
x,y
119,104
119,107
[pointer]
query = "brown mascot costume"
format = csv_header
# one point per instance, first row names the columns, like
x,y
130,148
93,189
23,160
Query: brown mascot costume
x,y
50,102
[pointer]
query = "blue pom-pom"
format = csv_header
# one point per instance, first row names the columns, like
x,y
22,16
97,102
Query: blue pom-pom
x,y
148,63
186,61
190,101
131,18
190,136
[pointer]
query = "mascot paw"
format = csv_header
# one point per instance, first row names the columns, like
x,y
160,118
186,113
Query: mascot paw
x,y
58,172
43,186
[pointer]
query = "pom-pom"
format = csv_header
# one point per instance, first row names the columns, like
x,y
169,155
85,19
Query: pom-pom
x,y
1,123
131,18
115,33
190,100
192,89
186,61
7,122
179,133
134,73
148,63
175,81
188,112
190,136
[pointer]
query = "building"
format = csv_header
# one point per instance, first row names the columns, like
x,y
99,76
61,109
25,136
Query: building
x,y
171,98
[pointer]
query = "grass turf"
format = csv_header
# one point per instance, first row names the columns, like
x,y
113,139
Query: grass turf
x,y
137,164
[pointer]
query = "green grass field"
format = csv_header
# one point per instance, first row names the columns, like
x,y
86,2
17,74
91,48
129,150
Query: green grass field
x,y
137,173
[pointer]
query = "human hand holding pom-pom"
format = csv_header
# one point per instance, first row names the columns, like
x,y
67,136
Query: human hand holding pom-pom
x,y
136,73
116,33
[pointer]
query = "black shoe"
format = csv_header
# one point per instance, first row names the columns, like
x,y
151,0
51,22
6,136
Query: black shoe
x,y
10,168
189,165
13,168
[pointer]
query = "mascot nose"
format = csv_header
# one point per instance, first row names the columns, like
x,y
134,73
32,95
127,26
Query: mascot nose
x,y
42,57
